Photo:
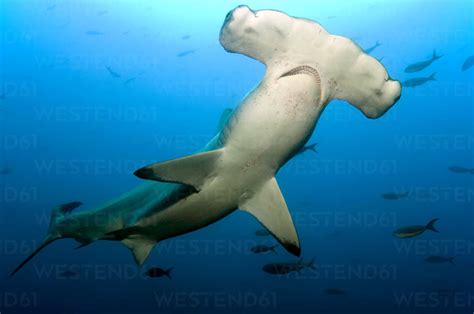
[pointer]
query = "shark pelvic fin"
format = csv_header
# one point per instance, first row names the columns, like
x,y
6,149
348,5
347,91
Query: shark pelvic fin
x,y
269,207
140,248
192,170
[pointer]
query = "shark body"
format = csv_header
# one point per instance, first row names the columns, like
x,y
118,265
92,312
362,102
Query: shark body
x,y
306,67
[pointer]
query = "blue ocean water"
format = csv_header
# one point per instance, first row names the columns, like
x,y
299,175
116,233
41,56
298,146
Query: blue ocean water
x,y
93,90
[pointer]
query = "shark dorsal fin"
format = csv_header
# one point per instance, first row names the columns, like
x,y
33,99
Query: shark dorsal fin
x,y
192,170
269,207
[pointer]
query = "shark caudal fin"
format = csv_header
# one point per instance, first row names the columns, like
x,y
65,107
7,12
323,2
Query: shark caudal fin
x,y
192,170
47,241
57,215
269,207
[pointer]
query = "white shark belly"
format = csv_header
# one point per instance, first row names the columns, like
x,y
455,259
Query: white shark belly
x,y
269,127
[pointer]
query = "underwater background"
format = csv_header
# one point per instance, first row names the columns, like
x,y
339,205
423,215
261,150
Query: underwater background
x,y
90,91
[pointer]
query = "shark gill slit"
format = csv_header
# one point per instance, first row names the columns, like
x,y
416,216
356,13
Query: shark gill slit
x,y
304,69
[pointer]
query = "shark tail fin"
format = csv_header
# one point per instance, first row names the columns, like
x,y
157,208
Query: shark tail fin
x,y
47,241
432,77
57,216
431,226
168,272
451,261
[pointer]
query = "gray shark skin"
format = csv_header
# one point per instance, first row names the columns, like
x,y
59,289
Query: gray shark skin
x,y
306,67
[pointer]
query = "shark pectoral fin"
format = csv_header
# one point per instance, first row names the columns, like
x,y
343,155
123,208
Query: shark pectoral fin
x,y
140,248
269,207
192,170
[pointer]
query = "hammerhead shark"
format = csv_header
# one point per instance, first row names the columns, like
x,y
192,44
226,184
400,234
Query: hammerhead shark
x,y
306,68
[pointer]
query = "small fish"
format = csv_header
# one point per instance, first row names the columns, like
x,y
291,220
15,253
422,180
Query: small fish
x,y
434,259
286,268
417,81
369,50
262,248
457,169
112,72
186,37
3,97
335,291
394,196
94,33
69,274
468,63
100,13
418,66
51,7
156,272
414,231
331,17
126,32
311,147
262,233
185,53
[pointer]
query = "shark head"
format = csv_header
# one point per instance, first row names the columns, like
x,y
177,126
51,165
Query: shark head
x,y
283,42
